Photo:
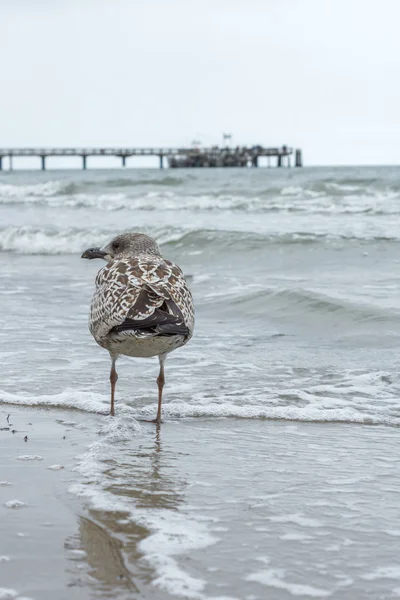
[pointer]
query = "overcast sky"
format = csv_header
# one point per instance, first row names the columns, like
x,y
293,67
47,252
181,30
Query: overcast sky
x,y
323,75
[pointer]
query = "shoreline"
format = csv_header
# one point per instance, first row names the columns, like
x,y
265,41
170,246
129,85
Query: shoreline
x,y
201,508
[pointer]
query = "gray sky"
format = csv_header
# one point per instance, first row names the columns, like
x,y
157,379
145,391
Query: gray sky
x,y
319,74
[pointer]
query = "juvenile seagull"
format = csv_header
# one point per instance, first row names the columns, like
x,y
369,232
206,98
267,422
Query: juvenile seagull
x,y
142,305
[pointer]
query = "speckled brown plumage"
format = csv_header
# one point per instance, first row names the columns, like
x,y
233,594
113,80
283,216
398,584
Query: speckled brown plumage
x,y
133,288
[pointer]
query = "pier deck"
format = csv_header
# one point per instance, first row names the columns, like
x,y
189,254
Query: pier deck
x,y
215,156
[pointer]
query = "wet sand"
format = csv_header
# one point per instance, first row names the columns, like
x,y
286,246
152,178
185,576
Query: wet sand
x,y
203,508
36,535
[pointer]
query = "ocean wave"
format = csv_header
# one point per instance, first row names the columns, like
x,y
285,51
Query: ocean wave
x,y
309,414
168,201
13,192
69,398
133,182
54,187
133,194
287,301
27,193
45,240
366,398
37,240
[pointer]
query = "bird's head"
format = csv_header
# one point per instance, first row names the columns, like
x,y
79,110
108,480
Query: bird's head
x,y
126,244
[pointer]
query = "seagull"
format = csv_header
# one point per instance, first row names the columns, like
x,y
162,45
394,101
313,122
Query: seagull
x,y
142,305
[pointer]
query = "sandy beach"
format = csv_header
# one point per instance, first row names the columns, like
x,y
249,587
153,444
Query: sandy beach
x,y
200,509
39,526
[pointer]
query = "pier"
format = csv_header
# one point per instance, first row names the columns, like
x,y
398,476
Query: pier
x,y
215,156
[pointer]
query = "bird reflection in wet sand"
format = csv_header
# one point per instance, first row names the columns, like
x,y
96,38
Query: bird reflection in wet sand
x,y
146,476
140,476
142,305
104,552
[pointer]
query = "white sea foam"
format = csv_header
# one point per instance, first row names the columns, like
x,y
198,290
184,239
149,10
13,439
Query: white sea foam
x,y
29,457
292,190
295,537
314,412
174,534
351,403
296,518
275,578
393,532
384,572
8,594
30,192
69,398
14,504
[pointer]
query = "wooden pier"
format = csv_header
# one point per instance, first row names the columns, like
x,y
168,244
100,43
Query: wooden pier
x,y
240,156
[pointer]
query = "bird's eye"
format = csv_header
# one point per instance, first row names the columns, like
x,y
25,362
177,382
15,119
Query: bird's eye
x,y
115,246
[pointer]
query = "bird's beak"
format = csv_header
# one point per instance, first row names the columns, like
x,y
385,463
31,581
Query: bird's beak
x,y
94,253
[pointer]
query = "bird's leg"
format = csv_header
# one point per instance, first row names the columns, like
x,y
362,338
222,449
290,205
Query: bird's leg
x,y
160,383
113,380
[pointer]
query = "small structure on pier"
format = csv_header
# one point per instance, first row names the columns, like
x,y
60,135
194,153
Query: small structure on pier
x,y
241,156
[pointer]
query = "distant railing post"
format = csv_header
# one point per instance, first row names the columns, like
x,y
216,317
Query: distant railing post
x,y
43,162
1,163
84,162
161,161
279,162
298,158
124,161
11,162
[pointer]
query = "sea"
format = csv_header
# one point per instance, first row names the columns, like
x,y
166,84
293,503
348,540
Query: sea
x,y
275,473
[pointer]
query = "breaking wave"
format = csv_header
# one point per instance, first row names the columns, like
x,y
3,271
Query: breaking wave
x,y
363,398
36,240
169,193
45,240
65,186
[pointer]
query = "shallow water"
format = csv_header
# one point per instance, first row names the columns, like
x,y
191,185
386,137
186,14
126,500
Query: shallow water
x,y
202,508
295,276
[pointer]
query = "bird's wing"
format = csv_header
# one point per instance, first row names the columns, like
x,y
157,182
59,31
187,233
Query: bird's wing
x,y
166,280
143,293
